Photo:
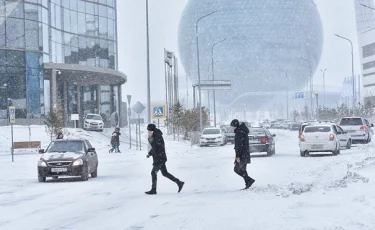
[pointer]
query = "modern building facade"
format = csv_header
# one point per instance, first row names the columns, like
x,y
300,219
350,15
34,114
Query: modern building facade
x,y
261,46
60,54
365,18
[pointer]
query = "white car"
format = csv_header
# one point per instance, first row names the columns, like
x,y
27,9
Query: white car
x,y
359,128
212,136
323,138
93,122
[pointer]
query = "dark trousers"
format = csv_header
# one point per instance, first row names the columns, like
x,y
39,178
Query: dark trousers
x,y
240,169
163,168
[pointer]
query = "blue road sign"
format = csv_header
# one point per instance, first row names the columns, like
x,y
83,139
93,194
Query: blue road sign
x,y
299,95
158,112
12,114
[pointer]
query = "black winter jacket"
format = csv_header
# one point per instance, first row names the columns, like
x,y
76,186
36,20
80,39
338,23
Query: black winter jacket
x,y
158,148
241,143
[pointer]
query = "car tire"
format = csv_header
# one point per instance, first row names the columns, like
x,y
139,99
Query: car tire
x,y
349,144
302,153
85,174
95,173
269,152
41,179
55,177
274,151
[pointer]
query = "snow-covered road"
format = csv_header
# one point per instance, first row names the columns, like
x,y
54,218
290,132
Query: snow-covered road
x,y
290,192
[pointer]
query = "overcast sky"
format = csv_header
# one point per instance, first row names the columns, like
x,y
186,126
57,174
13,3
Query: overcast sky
x,y
338,16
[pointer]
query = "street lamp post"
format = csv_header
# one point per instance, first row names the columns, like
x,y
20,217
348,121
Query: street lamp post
x,y
213,76
324,88
351,44
199,73
369,7
287,95
311,87
148,69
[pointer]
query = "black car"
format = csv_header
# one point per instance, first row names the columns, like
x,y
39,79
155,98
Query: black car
x,y
74,157
261,140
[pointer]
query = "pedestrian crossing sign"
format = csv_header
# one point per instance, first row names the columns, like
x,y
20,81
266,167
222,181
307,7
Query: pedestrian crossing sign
x,y
158,112
12,114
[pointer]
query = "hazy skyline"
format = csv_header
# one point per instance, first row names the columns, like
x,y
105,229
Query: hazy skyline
x,y
164,18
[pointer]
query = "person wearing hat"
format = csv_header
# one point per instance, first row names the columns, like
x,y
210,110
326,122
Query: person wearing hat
x,y
155,138
242,149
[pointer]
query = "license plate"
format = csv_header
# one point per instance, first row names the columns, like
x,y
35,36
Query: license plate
x,y
59,169
316,146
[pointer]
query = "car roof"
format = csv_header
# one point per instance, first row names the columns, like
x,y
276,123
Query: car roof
x,y
323,124
353,117
211,128
75,139
93,114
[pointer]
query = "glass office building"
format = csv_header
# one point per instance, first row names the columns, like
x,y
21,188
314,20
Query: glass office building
x,y
269,46
59,54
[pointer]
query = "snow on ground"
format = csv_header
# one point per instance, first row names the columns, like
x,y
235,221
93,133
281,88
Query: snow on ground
x,y
290,192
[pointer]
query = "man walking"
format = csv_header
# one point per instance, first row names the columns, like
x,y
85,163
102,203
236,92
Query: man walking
x,y
155,138
241,146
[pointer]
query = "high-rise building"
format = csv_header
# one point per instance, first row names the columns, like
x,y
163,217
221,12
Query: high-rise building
x,y
59,54
365,18
261,46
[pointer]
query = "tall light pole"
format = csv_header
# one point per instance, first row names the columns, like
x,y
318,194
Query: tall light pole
x,y
324,88
148,69
351,44
369,7
199,72
287,95
311,87
213,76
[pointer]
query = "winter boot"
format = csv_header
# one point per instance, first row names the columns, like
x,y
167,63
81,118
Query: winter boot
x,y
180,184
151,192
249,181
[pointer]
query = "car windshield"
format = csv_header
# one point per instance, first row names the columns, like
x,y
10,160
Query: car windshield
x,y
256,131
211,131
319,129
350,121
229,130
94,117
66,146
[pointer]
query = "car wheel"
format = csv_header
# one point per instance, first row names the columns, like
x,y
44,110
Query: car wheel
x,y
55,177
302,153
274,151
95,173
41,179
349,144
85,174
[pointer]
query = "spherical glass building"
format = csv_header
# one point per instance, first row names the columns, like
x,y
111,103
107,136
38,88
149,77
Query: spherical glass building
x,y
268,46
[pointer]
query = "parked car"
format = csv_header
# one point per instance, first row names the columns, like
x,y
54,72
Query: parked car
x,y
93,122
324,137
295,126
359,128
266,124
212,136
261,140
229,135
74,157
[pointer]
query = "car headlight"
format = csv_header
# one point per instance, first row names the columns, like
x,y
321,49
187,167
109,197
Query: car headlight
x,y
78,162
42,163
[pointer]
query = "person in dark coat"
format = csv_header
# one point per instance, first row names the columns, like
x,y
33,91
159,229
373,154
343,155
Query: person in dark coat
x,y
117,131
114,143
155,138
242,149
60,136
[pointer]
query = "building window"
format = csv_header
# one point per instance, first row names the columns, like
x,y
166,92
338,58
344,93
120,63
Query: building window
x,y
369,65
368,50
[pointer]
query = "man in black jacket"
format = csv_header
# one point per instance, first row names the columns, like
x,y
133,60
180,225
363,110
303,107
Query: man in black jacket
x,y
241,146
155,138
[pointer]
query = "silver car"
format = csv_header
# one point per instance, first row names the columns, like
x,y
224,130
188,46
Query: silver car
x,y
359,128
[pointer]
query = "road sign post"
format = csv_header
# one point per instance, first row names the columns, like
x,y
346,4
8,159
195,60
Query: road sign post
x,y
12,120
138,108
159,112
